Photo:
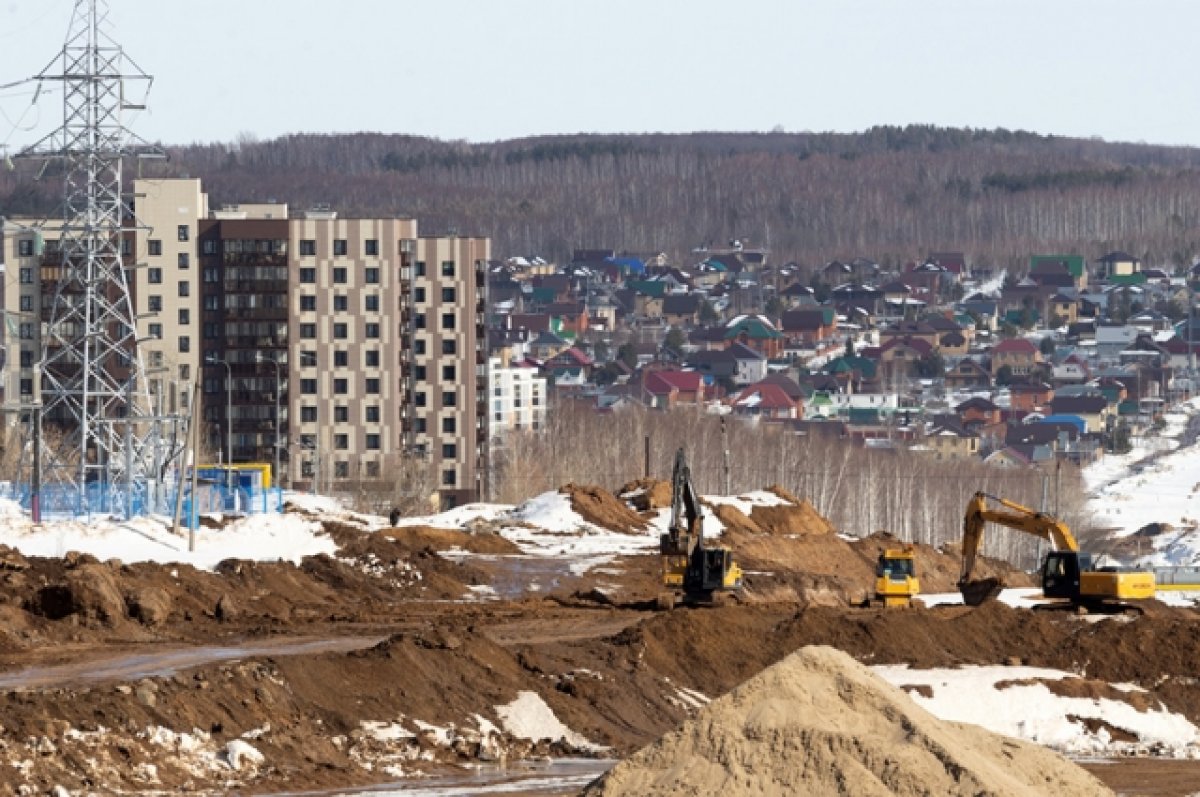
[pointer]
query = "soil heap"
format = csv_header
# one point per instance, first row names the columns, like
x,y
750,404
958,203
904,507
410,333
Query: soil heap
x,y
820,723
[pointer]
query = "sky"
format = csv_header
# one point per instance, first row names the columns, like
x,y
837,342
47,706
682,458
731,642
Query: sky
x,y
484,70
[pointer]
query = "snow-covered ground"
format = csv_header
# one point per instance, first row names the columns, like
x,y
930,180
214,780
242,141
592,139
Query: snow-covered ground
x,y
988,696
1157,482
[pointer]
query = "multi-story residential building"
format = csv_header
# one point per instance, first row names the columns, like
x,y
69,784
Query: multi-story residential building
x,y
518,399
368,336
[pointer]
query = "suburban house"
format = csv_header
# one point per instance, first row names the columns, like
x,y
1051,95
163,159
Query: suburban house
x,y
977,411
749,365
1030,396
666,390
947,441
1019,354
1117,264
809,325
1094,410
682,309
968,373
756,332
1074,265
766,400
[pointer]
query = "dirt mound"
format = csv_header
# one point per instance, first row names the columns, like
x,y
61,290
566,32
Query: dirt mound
x,y
599,506
646,495
416,538
1090,689
819,722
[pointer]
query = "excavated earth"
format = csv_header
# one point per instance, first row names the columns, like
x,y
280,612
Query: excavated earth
x,y
304,664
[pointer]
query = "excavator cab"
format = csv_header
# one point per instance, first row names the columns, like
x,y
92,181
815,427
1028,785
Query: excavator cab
x,y
1060,574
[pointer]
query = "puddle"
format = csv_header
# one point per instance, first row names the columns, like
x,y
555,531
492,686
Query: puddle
x,y
167,661
517,575
566,776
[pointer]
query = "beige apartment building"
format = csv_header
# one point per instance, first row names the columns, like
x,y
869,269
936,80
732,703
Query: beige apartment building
x,y
369,337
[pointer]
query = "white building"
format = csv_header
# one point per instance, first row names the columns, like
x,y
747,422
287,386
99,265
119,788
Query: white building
x,y
518,399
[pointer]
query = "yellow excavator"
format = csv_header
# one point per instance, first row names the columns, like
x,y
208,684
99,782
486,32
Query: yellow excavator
x,y
1066,572
690,566
896,581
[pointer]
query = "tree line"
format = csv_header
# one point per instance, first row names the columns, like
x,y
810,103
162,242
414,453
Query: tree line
x,y
889,193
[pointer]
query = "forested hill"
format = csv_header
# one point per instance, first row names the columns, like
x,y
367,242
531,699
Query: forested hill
x,y
889,193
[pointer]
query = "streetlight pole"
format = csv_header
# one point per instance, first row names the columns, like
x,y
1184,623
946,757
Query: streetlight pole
x,y
215,360
278,440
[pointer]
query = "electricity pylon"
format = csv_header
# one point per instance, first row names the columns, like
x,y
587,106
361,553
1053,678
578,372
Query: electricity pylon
x,y
93,386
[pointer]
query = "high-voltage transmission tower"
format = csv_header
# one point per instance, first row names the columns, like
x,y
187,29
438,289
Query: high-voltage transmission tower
x,y
94,393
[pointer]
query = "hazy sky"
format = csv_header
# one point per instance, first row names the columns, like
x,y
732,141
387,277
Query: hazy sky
x,y
491,69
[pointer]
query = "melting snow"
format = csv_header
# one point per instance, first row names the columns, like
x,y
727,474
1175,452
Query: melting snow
x,y
528,717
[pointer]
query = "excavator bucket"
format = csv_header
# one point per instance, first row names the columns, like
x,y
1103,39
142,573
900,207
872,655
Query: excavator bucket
x,y
976,593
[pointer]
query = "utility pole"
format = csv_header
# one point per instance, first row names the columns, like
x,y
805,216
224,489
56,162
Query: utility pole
x,y
725,485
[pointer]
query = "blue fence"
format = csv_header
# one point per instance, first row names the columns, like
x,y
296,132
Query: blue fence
x,y
99,498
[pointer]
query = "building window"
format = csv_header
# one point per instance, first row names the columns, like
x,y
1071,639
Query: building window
x,y
208,247
448,373
372,358
154,304
448,477
126,246
308,248
371,276
449,399
372,470
185,316
448,425
419,320
25,248
308,302
419,268
340,304
185,343
183,232
341,386
185,288
447,268
449,450
419,295
341,359
448,295
419,346
339,247
26,358
27,304
372,387
372,330
184,261
419,427
419,373
309,414
155,331
371,247
340,331
212,275
154,275
308,331
309,388
372,442
154,246
308,276
371,303
26,275
372,414
341,414
26,330
448,347
341,441
339,276
447,320
419,398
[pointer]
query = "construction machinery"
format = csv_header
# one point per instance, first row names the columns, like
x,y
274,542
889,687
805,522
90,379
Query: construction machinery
x,y
691,568
1066,572
896,577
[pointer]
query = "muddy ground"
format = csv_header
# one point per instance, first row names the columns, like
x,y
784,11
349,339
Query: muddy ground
x,y
434,659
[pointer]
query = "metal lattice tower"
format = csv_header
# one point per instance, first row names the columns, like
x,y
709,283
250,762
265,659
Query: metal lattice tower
x,y
93,385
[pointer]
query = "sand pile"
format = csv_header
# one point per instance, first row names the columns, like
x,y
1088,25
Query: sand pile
x,y
819,723
599,506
